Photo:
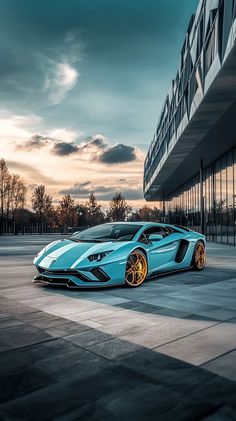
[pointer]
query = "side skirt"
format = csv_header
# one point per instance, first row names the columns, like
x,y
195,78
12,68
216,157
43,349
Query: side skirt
x,y
169,272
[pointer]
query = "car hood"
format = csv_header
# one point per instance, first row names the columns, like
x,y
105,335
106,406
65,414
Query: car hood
x,y
68,254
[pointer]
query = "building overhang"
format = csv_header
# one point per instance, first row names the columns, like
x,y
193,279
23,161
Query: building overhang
x,y
209,132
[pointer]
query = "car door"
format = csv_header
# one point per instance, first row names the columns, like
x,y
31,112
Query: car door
x,y
161,253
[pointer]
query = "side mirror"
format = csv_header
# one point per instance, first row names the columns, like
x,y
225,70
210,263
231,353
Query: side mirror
x,y
155,237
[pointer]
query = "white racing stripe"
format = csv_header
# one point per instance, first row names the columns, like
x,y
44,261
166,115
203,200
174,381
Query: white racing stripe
x,y
47,260
52,244
58,252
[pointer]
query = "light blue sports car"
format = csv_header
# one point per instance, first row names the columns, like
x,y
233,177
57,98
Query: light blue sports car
x,y
120,253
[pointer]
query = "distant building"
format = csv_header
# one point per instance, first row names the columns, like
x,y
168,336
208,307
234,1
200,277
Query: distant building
x,y
191,163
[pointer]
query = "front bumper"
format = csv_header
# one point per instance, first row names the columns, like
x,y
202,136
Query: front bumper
x,y
96,277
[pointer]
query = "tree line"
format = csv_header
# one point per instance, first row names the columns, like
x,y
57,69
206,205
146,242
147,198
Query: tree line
x,y
44,215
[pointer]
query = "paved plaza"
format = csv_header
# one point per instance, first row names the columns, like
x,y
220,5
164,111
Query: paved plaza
x,y
164,351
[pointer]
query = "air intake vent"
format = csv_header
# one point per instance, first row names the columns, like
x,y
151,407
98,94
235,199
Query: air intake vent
x,y
100,275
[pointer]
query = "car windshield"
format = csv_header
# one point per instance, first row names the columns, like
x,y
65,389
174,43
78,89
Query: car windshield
x,y
107,232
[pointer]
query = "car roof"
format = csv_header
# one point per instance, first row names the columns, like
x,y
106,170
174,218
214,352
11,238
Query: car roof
x,y
149,224
142,223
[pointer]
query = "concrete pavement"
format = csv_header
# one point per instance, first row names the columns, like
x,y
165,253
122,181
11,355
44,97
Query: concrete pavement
x,y
166,350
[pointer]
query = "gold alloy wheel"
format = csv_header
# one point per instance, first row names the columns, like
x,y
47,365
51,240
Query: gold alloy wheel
x,y
136,269
200,256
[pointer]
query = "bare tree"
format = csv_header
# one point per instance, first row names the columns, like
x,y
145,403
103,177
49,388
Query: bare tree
x,y
149,214
41,204
119,209
145,213
67,212
81,213
94,213
4,185
12,193
17,194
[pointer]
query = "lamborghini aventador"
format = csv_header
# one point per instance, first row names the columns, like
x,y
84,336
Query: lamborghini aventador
x,y
120,253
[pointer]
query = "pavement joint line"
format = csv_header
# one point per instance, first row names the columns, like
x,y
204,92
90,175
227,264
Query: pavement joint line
x,y
216,358
190,334
186,300
197,301
90,351
28,346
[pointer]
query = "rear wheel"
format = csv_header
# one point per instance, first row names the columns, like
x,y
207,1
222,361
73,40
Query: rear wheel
x,y
136,269
199,256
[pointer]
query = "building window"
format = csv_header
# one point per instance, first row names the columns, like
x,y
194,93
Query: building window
x,y
230,197
210,51
219,191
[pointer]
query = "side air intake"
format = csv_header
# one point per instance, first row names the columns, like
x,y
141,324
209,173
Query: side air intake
x,y
182,250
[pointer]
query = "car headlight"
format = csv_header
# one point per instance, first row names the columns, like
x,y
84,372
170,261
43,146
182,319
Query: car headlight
x,y
99,256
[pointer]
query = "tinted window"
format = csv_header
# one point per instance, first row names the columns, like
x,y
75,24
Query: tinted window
x,y
108,232
170,230
156,230
153,230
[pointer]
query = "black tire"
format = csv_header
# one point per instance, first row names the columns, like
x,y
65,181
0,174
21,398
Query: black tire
x,y
136,269
199,256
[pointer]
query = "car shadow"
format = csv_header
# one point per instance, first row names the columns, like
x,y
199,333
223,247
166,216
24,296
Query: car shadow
x,y
184,294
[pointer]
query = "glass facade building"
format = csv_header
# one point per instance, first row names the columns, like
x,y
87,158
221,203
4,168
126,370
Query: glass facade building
x,y
217,212
191,163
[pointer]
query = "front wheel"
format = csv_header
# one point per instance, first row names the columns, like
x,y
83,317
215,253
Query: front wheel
x,y
136,269
199,256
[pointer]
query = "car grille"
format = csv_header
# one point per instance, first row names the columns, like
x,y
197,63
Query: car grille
x,y
78,275
57,281
46,275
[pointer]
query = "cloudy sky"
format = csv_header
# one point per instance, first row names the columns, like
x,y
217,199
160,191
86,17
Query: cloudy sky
x,y
82,83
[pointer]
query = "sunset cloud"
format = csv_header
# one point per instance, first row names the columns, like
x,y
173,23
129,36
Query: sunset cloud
x,y
95,148
64,148
29,172
61,79
35,142
55,156
63,133
17,126
118,153
104,193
